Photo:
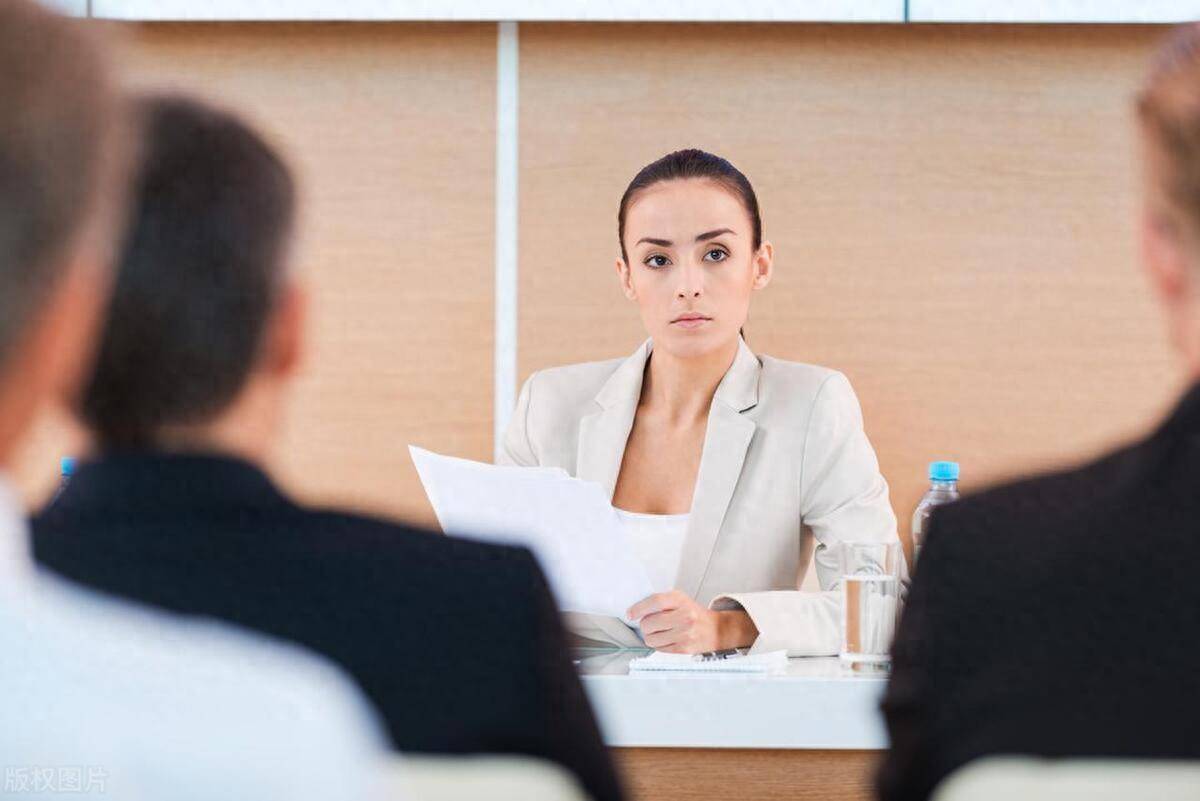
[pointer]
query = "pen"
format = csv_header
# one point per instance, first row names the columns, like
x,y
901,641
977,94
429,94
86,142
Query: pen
x,y
724,653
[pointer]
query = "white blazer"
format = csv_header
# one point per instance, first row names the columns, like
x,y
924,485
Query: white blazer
x,y
785,463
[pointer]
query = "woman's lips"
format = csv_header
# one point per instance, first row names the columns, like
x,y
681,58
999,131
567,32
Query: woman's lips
x,y
690,322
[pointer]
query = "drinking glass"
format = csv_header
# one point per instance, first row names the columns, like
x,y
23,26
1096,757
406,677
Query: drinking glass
x,y
870,603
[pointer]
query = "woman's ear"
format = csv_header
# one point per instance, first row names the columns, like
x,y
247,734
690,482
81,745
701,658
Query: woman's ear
x,y
626,278
764,261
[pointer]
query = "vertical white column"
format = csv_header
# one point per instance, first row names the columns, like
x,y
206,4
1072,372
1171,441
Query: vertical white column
x,y
505,372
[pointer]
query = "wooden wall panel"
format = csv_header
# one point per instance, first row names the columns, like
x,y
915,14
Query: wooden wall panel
x,y
685,774
391,129
952,208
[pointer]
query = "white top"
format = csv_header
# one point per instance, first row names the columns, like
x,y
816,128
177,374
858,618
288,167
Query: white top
x,y
105,697
658,543
815,703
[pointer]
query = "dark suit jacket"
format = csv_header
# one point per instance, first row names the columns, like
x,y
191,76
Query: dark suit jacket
x,y
1058,616
457,643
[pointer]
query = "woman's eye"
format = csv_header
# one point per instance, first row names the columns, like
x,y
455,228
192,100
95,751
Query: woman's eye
x,y
716,254
657,261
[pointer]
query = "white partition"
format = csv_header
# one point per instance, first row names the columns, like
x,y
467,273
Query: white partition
x,y
74,8
496,10
1053,10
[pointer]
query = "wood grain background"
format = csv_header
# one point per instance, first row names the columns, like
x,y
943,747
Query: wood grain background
x,y
391,131
952,207
684,774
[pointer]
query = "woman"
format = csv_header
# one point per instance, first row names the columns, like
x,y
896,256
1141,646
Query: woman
x,y
724,465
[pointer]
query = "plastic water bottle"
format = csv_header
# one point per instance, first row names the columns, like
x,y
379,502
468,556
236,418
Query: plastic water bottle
x,y
66,468
943,488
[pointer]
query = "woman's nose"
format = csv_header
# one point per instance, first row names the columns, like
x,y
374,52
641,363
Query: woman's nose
x,y
689,286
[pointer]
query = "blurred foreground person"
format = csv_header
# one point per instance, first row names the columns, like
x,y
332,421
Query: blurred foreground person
x,y
1057,616
99,696
458,644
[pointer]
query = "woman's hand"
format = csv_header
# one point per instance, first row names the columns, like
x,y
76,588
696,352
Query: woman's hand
x,y
673,622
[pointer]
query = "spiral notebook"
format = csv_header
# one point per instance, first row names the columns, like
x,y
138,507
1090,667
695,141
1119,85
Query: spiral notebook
x,y
770,662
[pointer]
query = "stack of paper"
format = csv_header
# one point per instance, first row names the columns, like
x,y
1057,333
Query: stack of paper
x,y
771,662
569,524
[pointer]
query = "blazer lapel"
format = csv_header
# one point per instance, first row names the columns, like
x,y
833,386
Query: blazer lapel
x,y
726,440
604,433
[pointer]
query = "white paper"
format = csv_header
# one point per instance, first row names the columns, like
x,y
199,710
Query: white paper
x,y
569,525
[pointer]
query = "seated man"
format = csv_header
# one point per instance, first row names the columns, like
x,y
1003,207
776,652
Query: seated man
x,y
1058,616
99,696
458,644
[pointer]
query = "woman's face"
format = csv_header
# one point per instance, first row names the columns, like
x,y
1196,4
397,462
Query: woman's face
x,y
692,264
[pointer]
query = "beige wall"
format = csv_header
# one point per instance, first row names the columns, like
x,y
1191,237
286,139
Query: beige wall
x,y
391,129
952,209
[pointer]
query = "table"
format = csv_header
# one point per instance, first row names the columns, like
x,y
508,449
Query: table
x,y
813,732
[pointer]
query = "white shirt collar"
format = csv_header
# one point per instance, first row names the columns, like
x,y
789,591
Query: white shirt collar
x,y
16,564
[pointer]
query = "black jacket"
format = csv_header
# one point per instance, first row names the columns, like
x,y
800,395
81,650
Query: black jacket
x,y
1058,616
458,644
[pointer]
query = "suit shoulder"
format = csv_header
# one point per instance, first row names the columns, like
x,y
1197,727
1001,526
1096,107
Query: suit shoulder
x,y
470,595
582,378
417,546
1058,501
794,387
569,386
798,377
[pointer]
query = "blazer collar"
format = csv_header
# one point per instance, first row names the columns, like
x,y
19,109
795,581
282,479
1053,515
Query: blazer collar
x,y
604,434
726,441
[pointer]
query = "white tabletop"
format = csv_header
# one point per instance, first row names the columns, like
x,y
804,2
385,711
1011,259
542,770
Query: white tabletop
x,y
817,703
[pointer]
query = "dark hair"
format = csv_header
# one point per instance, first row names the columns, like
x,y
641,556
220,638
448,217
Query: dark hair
x,y
1169,108
197,276
683,164
59,120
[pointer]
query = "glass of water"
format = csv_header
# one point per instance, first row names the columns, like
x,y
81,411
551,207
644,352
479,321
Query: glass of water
x,y
870,603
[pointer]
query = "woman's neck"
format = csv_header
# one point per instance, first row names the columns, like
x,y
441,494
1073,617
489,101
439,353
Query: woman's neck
x,y
681,389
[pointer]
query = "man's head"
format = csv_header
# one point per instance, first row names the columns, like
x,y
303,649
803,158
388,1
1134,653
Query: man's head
x,y
1168,110
204,320
60,203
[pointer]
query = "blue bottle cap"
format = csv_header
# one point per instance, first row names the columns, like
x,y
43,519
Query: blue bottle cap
x,y
943,471
67,465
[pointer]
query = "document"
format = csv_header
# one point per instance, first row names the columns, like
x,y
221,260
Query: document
x,y
569,524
